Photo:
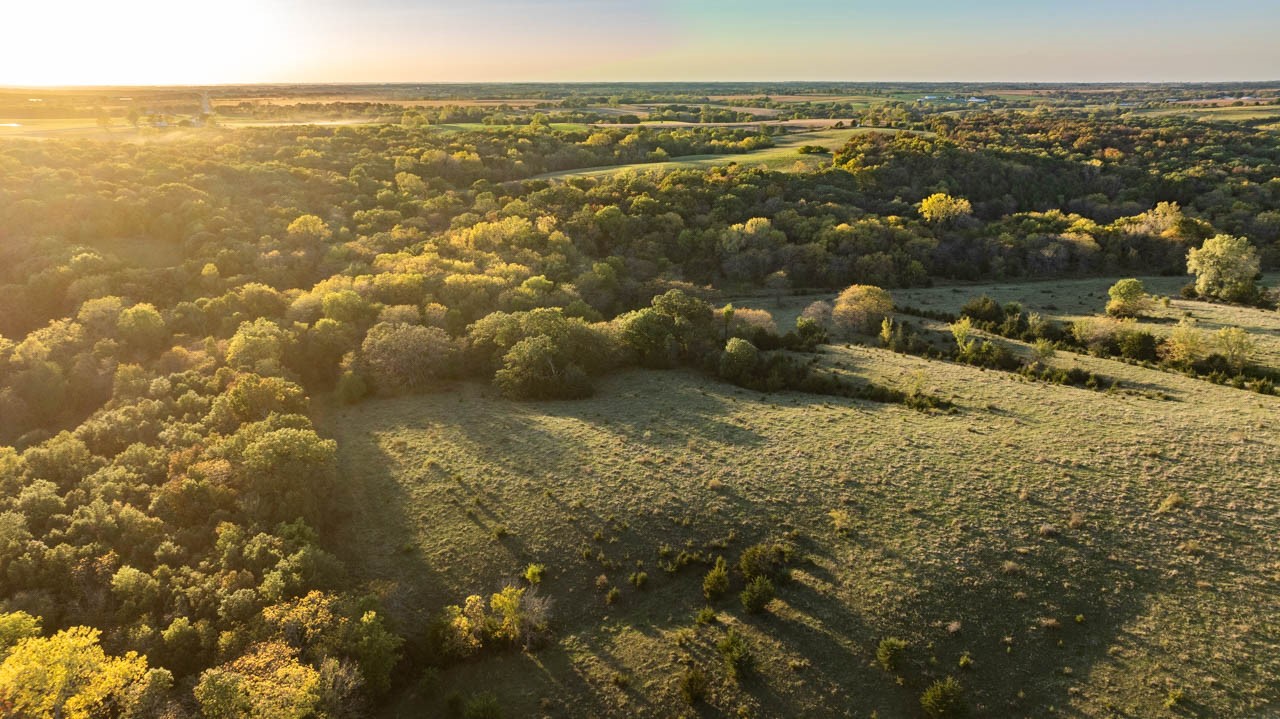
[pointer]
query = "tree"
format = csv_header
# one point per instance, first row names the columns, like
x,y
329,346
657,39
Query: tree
x,y
267,682
69,675
941,208
861,308
537,368
407,358
259,346
1235,345
308,230
1226,268
16,626
142,328
739,359
1129,298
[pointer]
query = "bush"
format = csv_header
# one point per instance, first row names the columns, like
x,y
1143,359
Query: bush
x,y
766,559
533,573
482,706
757,595
694,685
943,699
716,583
890,653
736,654
983,309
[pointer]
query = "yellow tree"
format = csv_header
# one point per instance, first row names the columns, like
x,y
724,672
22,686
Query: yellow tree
x,y
941,208
69,675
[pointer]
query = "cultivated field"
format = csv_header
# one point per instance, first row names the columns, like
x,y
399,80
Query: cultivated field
x,y
1057,549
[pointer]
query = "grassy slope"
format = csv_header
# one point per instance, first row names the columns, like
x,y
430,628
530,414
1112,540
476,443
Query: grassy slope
x,y
783,156
948,513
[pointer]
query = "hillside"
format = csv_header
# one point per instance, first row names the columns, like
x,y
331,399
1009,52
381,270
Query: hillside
x,y
1088,552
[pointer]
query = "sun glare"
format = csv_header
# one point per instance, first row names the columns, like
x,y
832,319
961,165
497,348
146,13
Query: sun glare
x,y
87,42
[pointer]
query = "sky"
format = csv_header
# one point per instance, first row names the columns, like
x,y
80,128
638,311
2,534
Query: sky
x,y
127,42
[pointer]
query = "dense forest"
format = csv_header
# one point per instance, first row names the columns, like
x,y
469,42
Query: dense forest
x,y
175,309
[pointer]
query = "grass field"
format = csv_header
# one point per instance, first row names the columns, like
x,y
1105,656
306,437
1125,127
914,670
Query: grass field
x,y
62,127
1092,554
784,155
1219,114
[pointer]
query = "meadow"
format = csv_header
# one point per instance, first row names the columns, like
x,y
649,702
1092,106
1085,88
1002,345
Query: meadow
x,y
784,156
1059,550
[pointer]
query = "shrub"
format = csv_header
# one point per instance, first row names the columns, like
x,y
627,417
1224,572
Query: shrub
x,y
983,309
639,579
943,699
757,595
706,615
716,583
482,706
1137,345
533,573
766,559
694,685
840,521
890,653
736,654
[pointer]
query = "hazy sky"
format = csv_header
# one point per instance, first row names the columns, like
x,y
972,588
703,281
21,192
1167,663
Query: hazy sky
x,y
232,41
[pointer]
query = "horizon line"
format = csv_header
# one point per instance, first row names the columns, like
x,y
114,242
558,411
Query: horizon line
x,y
342,83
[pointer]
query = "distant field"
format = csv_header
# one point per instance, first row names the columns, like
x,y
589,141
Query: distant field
x,y
1248,112
784,156
1024,531
61,127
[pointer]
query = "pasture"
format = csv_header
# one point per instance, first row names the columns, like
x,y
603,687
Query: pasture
x,y
1058,550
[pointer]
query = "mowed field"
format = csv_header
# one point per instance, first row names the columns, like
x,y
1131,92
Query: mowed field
x,y
784,155
1061,551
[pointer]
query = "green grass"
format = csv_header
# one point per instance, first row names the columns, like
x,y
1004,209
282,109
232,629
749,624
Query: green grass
x,y
783,156
987,532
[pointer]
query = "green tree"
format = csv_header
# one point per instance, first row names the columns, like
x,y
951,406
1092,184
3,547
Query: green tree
x,y
1128,298
739,359
1226,268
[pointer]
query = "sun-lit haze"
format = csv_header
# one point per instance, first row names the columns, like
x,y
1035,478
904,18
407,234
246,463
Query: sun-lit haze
x,y
84,42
